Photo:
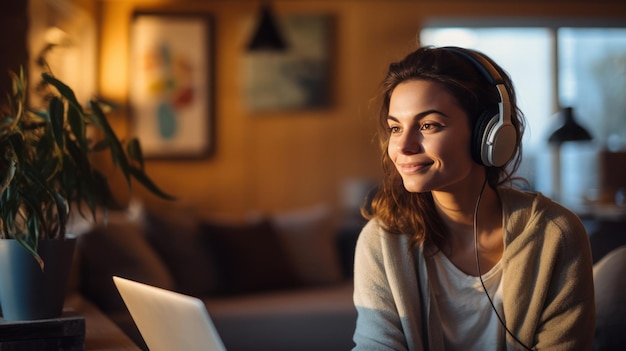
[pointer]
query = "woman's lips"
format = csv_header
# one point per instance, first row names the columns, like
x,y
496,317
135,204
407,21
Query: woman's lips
x,y
413,167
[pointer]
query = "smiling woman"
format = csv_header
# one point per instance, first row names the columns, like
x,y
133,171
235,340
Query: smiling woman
x,y
429,134
447,232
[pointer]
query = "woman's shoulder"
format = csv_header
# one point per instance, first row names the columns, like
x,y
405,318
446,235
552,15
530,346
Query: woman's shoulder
x,y
373,230
376,234
532,204
524,209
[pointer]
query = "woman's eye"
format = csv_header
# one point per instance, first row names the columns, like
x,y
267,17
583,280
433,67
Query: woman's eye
x,y
430,126
394,129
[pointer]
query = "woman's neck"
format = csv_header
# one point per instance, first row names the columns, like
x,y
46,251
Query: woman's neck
x,y
457,212
457,206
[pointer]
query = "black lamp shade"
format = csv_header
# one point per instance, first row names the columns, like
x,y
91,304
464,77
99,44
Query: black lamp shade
x,y
570,130
267,36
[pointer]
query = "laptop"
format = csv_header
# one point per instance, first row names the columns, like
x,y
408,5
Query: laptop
x,y
168,320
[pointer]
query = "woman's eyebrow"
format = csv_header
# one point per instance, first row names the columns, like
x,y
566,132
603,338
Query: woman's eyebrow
x,y
419,115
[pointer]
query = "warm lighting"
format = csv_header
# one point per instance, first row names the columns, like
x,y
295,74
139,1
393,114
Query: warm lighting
x,y
267,35
70,55
53,37
57,36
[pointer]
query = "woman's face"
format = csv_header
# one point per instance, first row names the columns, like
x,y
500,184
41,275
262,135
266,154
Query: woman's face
x,y
429,138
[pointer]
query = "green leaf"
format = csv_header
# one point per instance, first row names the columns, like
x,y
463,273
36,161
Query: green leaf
x,y
134,152
40,196
105,195
117,151
80,159
32,250
9,159
46,164
9,209
43,114
49,167
100,146
143,178
57,120
63,89
62,210
77,125
34,216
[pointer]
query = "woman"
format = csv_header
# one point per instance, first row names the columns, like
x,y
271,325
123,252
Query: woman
x,y
453,258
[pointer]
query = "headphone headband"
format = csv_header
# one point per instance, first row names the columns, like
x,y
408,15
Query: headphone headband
x,y
496,138
480,62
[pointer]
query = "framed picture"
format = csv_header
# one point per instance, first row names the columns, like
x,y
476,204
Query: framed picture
x,y
298,78
171,88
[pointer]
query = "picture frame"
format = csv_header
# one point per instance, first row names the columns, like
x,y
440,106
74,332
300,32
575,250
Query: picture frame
x,y
171,84
298,79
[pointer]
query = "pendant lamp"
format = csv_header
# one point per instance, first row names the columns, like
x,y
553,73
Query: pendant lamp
x,y
267,36
569,131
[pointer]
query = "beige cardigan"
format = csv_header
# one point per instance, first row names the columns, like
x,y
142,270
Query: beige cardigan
x,y
547,283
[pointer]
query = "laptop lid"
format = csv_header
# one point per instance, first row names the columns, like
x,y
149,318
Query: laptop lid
x,y
168,320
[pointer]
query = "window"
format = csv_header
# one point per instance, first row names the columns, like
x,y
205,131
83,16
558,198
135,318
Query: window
x,y
592,79
554,67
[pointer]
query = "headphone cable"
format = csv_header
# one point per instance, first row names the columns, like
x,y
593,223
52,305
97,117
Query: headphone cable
x,y
480,276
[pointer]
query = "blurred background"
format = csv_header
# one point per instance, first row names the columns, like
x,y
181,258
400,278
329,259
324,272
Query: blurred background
x,y
292,125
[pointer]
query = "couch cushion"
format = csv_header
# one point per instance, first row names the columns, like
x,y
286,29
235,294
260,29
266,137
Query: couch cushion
x,y
175,234
249,257
610,295
117,249
312,319
309,236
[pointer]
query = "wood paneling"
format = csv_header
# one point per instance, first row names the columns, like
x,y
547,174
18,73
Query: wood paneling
x,y
285,160
13,29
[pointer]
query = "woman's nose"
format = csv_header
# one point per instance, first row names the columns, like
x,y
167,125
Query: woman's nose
x,y
410,143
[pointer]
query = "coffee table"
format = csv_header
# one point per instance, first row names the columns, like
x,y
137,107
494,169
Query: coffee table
x,y
100,332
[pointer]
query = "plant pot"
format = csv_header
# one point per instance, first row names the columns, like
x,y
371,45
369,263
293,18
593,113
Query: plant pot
x,y
27,292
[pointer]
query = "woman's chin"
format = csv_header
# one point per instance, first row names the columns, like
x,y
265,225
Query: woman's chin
x,y
413,187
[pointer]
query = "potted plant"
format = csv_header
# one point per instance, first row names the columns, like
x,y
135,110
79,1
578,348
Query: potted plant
x,y
46,168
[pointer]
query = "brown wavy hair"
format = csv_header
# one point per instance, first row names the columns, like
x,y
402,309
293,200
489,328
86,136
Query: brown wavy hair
x,y
403,212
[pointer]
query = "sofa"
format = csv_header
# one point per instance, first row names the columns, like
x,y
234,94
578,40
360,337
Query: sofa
x,y
610,293
278,281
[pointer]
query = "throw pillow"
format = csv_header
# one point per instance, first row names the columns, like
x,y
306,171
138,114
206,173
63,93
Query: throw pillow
x,y
250,257
175,234
117,249
610,296
309,236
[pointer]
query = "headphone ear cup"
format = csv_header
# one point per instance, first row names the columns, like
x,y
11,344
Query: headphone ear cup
x,y
503,143
480,136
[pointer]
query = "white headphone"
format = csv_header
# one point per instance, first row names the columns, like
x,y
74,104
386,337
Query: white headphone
x,y
494,138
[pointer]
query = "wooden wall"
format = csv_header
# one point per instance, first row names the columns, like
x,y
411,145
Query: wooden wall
x,y
13,27
289,160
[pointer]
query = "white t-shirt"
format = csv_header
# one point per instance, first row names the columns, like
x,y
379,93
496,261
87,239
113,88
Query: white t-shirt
x,y
469,322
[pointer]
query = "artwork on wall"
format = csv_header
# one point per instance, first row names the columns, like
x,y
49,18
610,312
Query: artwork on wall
x,y
298,78
171,84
